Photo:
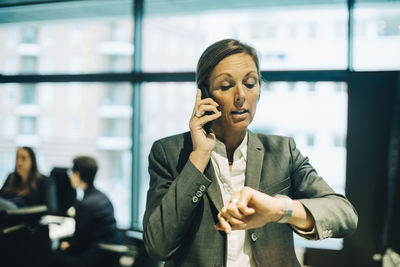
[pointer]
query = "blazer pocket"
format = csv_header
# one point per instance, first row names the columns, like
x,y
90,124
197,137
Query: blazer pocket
x,y
281,187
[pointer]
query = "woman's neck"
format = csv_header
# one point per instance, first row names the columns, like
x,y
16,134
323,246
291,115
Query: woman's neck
x,y
24,186
231,139
24,177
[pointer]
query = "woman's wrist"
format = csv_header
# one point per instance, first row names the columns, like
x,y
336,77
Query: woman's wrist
x,y
286,210
293,212
301,218
200,159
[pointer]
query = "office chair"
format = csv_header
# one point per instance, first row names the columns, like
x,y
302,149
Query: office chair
x,y
66,194
130,254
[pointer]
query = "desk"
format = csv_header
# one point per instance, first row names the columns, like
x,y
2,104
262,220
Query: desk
x,y
59,227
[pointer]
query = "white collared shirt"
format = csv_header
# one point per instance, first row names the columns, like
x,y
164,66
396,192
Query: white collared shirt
x,y
239,252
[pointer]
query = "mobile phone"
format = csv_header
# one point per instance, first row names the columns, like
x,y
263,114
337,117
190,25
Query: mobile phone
x,y
205,94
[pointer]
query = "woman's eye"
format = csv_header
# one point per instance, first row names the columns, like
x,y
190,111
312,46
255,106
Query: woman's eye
x,y
250,82
250,85
225,87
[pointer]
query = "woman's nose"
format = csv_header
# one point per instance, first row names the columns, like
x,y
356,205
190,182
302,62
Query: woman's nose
x,y
239,95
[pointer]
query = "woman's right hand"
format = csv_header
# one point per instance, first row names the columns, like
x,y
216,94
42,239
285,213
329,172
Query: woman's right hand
x,y
203,143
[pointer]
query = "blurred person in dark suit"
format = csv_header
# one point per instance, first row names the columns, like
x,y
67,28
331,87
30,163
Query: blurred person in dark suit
x,y
26,186
94,217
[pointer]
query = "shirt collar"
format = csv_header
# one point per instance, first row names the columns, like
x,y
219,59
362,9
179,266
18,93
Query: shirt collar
x,y
242,148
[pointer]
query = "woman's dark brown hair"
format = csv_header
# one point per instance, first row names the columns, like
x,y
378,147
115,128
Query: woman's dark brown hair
x,y
217,52
16,184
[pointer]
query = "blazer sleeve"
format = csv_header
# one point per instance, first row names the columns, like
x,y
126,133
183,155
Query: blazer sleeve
x,y
334,215
170,205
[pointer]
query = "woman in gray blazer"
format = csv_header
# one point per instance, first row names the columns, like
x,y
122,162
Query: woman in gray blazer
x,y
221,195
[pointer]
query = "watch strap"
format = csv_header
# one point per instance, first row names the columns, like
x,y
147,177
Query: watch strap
x,y
288,209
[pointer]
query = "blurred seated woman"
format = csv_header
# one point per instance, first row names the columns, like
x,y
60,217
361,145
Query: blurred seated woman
x,y
26,186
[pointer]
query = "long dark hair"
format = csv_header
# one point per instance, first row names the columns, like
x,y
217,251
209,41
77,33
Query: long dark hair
x,y
15,183
217,52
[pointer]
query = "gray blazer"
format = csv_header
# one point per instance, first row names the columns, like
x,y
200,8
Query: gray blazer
x,y
183,203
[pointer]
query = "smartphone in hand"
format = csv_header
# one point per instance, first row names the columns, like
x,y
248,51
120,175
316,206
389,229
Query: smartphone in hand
x,y
205,94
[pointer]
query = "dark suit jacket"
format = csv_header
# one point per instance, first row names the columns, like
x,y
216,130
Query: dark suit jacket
x,y
179,225
94,221
94,224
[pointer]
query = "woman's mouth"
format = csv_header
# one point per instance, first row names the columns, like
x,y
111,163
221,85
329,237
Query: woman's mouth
x,y
239,115
239,112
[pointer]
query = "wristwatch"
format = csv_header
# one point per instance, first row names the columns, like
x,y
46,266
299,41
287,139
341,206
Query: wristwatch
x,y
288,209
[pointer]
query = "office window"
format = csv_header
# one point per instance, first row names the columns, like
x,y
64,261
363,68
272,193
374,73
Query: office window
x,y
310,140
73,46
114,178
291,35
339,141
27,125
116,94
29,64
7,162
116,127
29,35
166,110
119,63
28,92
377,35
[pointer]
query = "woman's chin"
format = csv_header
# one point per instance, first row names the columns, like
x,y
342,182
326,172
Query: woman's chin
x,y
231,126
21,173
238,127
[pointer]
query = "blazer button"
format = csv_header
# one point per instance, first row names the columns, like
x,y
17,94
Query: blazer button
x,y
253,237
195,199
199,194
202,188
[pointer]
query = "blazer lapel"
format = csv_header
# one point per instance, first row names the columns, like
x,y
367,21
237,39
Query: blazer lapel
x,y
255,156
213,190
